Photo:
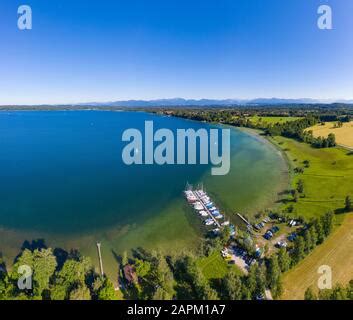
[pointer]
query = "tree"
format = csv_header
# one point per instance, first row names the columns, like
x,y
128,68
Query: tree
x,y
278,290
327,223
59,291
273,272
348,204
245,293
81,292
284,259
300,186
72,275
319,231
104,289
290,208
350,290
306,163
232,286
142,268
251,279
309,245
324,294
299,249
274,276
160,276
261,279
209,293
43,264
313,234
299,170
338,293
160,294
44,267
7,288
225,235
331,140
309,294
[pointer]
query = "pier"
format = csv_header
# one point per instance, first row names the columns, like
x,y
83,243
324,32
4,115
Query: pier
x,y
206,209
100,258
244,220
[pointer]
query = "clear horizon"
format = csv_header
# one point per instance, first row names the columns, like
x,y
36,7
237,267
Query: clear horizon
x,y
102,51
315,101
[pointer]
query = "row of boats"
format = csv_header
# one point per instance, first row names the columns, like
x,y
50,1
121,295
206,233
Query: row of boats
x,y
203,205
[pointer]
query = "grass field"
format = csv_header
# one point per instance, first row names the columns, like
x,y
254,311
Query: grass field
x,y
336,252
327,181
215,267
344,135
272,120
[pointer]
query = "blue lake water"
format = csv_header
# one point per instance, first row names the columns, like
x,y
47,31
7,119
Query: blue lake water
x,y
62,178
63,172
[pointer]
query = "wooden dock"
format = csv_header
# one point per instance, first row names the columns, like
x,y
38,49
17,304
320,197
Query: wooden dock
x,y
206,209
100,258
244,220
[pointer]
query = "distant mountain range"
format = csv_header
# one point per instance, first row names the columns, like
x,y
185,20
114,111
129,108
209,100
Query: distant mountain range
x,y
210,102
180,102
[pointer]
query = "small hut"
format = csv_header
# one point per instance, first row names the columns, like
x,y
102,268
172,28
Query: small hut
x,y
130,274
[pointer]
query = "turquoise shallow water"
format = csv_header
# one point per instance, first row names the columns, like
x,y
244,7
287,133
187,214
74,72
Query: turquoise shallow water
x,y
62,178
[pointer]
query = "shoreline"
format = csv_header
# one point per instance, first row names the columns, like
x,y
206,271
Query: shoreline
x,y
256,133
110,235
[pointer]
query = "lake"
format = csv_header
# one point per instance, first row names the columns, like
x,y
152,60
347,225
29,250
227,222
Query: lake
x,y
63,180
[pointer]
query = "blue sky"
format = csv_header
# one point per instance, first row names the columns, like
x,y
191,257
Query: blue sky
x,y
83,51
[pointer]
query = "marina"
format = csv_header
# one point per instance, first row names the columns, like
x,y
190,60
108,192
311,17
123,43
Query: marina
x,y
205,207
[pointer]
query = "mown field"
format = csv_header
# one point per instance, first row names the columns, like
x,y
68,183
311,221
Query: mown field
x,y
271,120
336,252
215,267
344,135
327,180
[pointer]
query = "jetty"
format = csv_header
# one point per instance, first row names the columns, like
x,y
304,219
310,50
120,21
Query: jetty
x,y
205,207
196,194
244,220
100,258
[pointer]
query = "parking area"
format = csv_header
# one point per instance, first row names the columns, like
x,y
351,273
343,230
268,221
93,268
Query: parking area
x,y
275,233
239,257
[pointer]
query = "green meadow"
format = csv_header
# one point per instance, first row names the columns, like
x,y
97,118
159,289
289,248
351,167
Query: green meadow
x,y
327,179
215,267
271,120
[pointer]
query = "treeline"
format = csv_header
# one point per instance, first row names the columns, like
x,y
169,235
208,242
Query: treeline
x,y
312,235
156,276
336,117
296,130
338,292
319,142
63,277
291,129
180,277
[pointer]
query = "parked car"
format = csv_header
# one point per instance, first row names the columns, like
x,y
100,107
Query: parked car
x,y
268,235
281,244
274,229
292,237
